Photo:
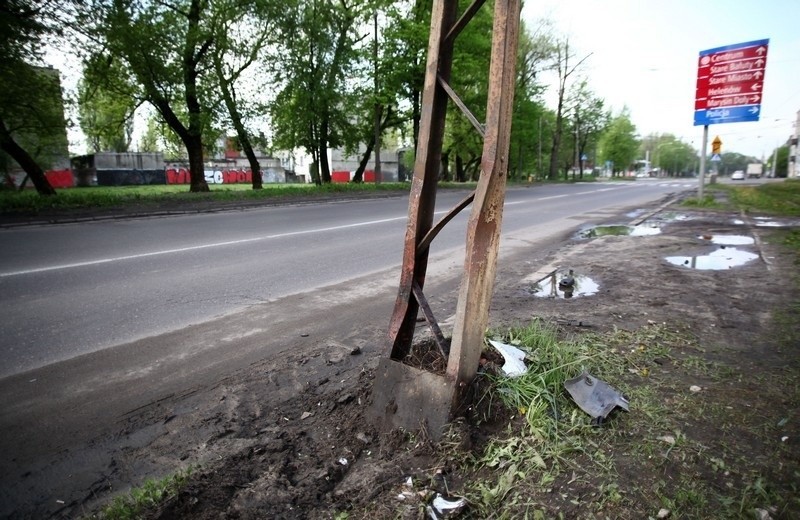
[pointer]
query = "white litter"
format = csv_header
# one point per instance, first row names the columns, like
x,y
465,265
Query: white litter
x,y
514,365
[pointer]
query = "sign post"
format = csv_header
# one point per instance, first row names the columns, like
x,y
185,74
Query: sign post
x,y
730,82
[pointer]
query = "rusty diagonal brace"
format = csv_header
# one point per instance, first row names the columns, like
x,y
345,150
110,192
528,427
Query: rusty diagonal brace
x,y
484,229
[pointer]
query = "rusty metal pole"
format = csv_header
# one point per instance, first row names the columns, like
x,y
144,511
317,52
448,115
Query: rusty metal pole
x,y
422,197
406,396
483,232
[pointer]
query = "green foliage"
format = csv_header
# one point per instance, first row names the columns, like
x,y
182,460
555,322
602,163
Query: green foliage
x,y
105,107
619,143
732,161
708,201
31,105
777,198
149,495
670,154
780,158
315,91
32,110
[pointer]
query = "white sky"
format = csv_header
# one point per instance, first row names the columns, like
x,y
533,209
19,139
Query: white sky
x,y
644,55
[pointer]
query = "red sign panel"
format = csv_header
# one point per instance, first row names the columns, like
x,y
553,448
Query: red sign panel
x,y
731,76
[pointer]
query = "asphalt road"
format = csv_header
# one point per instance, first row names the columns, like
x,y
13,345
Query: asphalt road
x,y
73,289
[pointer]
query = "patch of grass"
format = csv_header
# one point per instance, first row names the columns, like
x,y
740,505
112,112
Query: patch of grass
x,y
708,201
149,495
119,196
691,453
776,198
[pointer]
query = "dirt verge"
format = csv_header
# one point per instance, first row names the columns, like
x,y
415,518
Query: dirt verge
x,y
289,438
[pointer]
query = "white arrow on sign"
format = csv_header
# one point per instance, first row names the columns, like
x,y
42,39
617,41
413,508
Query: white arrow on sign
x,y
758,74
759,62
755,99
761,50
756,86
753,110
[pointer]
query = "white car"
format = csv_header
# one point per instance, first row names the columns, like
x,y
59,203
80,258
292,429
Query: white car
x,y
737,176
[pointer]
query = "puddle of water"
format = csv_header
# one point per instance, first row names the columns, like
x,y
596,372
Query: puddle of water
x,y
635,213
721,259
641,230
604,231
671,216
768,222
729,240
645,230
550,288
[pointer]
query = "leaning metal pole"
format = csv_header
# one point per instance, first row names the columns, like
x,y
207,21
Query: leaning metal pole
x,y
409,397
422,197
483,231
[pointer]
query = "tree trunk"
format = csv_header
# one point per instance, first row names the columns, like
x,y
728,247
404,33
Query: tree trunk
x,y
460,175
255,168
556,147
444,171
193,52
241,131
228,95
358,176
194,147
26,162
324,165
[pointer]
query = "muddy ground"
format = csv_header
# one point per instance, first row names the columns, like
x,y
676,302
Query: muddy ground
x,y
292,438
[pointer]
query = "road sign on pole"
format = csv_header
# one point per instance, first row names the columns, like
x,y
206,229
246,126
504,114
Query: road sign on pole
x,y
716,146
730,82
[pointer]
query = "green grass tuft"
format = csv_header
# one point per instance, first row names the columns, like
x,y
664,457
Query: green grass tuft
x,y
149,495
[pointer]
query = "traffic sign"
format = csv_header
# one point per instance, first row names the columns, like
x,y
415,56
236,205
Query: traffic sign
x,y
730,82
716,158
716,146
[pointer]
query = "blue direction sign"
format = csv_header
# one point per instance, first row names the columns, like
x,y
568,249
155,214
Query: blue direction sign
x,y
716,158
730,82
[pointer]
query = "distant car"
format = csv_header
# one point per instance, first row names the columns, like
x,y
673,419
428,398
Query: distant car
x,y
737,176
642,175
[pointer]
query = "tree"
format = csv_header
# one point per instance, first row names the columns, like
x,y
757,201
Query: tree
x,y
164,48
590,120
669,154
565,65
32,126
780,157
241,31
405,41
536,51
106,107
732,161
619,144
151,137
316,94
